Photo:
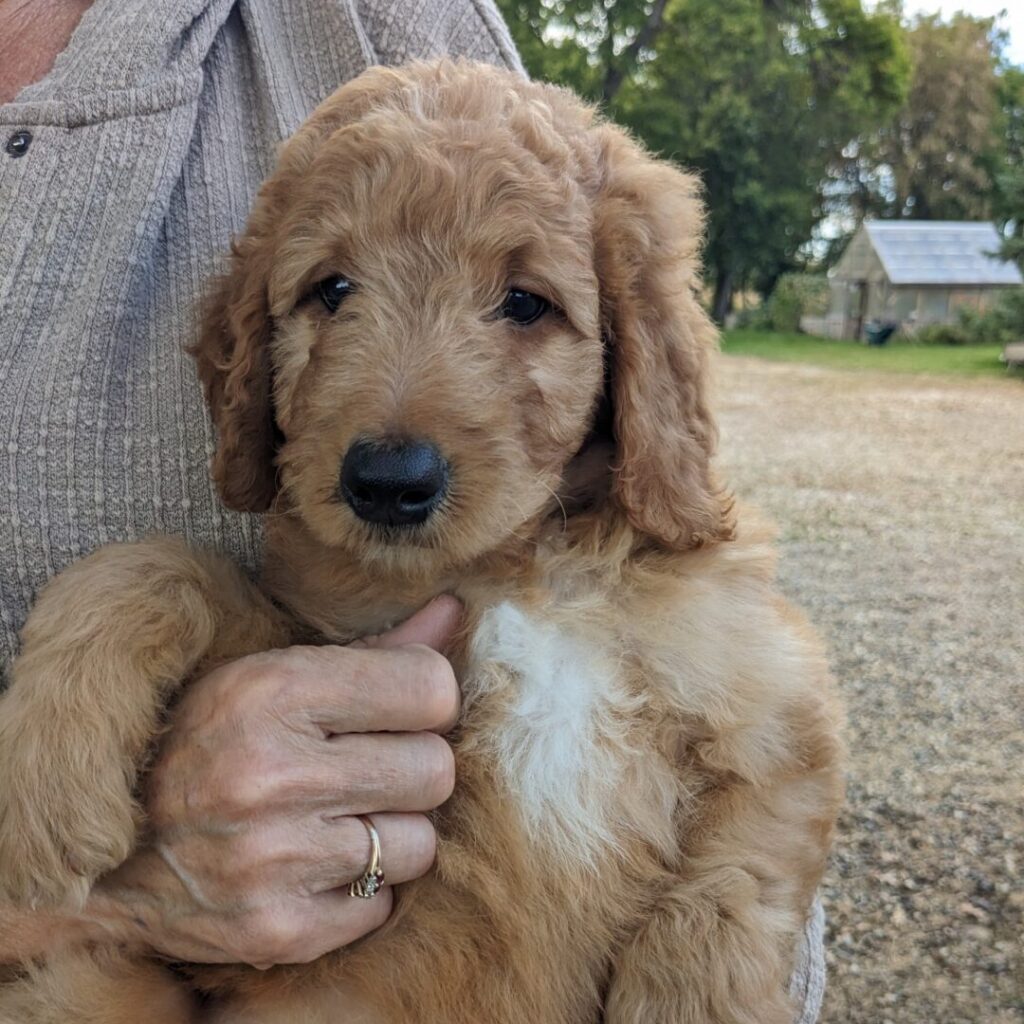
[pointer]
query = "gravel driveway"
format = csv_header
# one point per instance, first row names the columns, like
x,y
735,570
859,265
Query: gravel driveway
x,y
900,502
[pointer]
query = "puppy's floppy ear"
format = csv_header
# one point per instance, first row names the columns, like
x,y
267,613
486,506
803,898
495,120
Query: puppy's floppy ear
x,y
233,361
648,228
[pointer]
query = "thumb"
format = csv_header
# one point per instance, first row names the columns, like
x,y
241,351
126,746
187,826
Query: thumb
x,y
433,625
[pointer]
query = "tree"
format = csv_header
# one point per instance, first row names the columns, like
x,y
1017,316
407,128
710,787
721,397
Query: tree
x,y
758,96
593,47
760,99
1008,165
933,160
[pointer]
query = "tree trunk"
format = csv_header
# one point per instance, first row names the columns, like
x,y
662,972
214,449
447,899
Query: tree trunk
x,y
721,304
616,72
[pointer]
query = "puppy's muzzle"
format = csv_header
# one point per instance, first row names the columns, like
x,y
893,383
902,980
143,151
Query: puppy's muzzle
x,y
393,484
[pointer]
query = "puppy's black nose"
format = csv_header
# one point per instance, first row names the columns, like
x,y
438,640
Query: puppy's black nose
x,y
393,484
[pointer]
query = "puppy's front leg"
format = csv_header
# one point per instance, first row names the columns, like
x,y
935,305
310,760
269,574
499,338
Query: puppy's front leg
x,y
93,987
721,942
107,643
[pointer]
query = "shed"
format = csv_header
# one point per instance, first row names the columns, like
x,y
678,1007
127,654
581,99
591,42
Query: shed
x,y
913,272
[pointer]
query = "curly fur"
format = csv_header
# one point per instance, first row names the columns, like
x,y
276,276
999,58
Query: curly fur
x,y
648,762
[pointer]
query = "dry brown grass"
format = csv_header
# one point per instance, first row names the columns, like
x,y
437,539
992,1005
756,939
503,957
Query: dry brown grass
x,y
901,507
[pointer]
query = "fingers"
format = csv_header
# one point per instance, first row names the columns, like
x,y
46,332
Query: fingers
x,y
358,773
433,625
385,772
333,920
294,858
336,851
301,933
408,845
397,682
272,895
404,689
281,930
253,796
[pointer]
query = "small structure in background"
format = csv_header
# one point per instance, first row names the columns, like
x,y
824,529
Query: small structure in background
x,y
911,273
1013,355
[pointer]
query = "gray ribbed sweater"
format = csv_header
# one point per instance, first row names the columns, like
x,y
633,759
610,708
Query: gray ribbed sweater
x,y
148,141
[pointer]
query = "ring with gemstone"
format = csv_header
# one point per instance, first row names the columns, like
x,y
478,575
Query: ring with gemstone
x,y
370,884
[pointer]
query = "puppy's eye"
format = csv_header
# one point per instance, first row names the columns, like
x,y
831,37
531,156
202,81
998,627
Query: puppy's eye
x,y
523,308
333,291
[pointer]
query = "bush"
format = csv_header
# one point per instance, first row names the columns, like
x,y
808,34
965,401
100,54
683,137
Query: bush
x,y
943,334
796,296
1001,324
754,318
1004,323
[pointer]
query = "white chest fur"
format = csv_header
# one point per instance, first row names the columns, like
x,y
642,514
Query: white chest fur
x,y
560,737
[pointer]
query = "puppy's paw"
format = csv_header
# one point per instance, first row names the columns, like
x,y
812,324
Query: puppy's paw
x,y
66,810
108,642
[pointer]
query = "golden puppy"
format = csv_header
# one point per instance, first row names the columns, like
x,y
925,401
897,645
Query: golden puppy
x,y
459,349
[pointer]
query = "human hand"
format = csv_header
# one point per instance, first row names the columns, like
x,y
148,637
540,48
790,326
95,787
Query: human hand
x,y
254,793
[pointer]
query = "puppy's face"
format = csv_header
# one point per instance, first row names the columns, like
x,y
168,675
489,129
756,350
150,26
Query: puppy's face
x,y
436,350
414,337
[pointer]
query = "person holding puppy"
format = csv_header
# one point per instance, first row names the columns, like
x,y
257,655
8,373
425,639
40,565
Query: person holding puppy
x,y
134,138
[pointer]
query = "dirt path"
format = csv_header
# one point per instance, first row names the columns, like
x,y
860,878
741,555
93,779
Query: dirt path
x,y
900,502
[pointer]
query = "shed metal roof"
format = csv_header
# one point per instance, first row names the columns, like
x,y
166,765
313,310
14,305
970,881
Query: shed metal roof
x,y
940,252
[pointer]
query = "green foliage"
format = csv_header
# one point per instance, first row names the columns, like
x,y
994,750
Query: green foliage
x,y
1006,319
943,334
760,100
792,110
934,160
754,318
797,295
758,97
1013,246
999,325
1008,165
590,46
938,143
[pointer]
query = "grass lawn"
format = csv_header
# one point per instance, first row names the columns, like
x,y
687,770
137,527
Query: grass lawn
x,y
895,357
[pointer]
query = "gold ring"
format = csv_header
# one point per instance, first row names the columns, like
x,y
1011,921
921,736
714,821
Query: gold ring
x,y
373,878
